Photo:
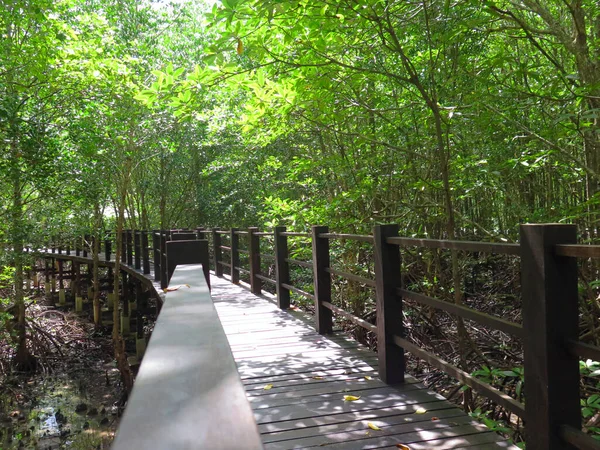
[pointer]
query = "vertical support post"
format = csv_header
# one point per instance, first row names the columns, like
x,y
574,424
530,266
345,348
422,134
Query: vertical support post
x,y
76,290
235,256
164,276
47,288
145,253
129,235
60,275
388,305
282,268
107,249
61,286
137,242
124,246
254,259
53,276
141,300
156,254
68,249
140,307
217,252
77,246
322,280
550,320
201,233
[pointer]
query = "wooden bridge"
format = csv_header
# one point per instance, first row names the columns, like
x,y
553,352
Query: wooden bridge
x,y
237,369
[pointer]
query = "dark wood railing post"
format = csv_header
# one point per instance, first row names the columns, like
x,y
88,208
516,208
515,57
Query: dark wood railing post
x,y
254,260
201,233
388,305
164,276
145,252
282,268
156,254
217,252
235,255
76,246
129,236
137,244
550,319
124,246
322,280
77,277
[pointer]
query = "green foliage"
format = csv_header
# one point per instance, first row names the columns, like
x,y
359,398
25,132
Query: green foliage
x,y
494,425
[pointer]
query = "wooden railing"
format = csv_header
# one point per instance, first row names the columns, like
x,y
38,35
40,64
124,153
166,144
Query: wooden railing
x,y
552,413
549,276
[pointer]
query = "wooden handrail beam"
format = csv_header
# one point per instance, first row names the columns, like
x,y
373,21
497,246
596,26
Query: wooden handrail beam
x,y
188,393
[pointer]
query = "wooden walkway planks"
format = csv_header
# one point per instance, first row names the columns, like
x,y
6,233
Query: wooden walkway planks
x,y
310,374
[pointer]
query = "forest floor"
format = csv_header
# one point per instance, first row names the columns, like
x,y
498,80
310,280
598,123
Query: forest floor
x,y
74,399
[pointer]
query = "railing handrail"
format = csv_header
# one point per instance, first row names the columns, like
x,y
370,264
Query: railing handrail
x,y
188,392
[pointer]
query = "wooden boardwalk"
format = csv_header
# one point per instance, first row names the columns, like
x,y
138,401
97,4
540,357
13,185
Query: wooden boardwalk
x,y
296,380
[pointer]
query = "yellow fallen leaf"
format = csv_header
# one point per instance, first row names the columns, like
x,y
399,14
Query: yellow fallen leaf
x,y
317,378
403,447
174,288
351,398
372,426
420,411
267,387
367,433
367,377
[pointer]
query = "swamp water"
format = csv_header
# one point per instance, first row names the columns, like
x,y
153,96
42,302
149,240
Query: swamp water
x,y
58,412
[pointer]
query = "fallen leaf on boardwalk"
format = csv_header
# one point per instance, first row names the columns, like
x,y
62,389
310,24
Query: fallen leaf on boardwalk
x,y
367,377
174,288
267,387
420,411
317,378
372,426
351,398
433,419
403,447
367,434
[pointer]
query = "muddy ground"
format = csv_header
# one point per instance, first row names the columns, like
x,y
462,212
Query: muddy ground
x,y
74,399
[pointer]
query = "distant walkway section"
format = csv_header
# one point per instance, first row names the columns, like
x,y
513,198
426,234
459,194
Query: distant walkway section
x,y
312,391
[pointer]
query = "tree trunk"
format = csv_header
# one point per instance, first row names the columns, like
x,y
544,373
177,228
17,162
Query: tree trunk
x,y
23,359
96,266
118,342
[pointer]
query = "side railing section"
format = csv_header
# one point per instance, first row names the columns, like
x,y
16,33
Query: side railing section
x,y
142,251
549,332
